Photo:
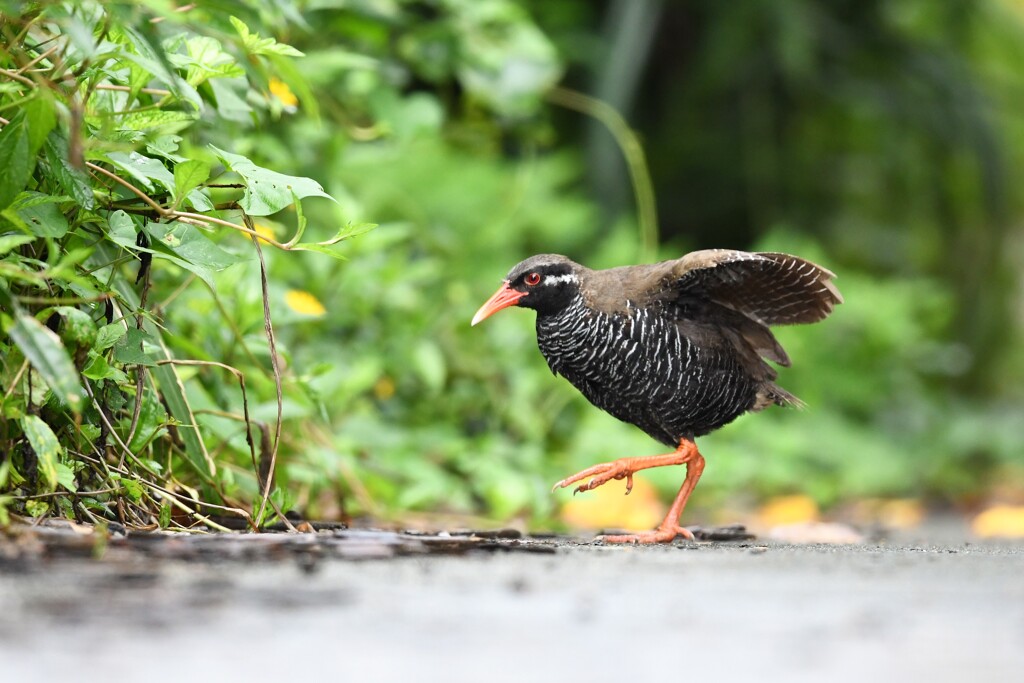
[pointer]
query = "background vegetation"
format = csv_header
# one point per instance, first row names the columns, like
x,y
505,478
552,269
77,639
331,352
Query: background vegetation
x,y
155,356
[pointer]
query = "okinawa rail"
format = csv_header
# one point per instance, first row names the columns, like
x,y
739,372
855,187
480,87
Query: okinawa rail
x,y
678,348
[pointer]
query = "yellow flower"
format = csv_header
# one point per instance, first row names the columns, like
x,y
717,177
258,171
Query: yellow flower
x,y
283,93
304,303
265,232
384,388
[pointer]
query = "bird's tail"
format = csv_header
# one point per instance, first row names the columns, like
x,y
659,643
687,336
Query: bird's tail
x,y
773,394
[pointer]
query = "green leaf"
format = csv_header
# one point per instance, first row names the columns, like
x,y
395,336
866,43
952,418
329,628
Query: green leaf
x,y
152,418
73,181
165,515
188,243
66,477
78,330
15,162
175,242
108,335
40,214
188,176
429,364
330,247
262,46
165,121
9,242
98,368
49,358
41,117
132,489
130,350
44,443
145,170
267,191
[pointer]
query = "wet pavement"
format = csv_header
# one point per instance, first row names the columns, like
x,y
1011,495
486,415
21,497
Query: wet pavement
x,y
378,606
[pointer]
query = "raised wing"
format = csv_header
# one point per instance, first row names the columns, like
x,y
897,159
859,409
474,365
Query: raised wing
x,y
772,288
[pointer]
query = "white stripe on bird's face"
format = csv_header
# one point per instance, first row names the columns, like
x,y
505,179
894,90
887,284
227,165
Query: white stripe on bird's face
x,y
560,279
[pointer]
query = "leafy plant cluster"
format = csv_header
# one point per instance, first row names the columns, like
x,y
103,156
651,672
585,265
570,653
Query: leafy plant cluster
x,y
109,189
143,377
176,344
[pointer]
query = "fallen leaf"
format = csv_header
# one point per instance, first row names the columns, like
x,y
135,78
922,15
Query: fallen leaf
x,y
1000,521
891,513
608,507
815,532
787,510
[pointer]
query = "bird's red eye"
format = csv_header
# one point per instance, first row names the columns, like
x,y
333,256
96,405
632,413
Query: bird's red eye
x,y
533,279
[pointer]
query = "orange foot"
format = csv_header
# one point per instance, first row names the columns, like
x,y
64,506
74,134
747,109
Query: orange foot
x,y
622,468
665,533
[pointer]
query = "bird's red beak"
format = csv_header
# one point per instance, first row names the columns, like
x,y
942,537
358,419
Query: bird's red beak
x,y
503,298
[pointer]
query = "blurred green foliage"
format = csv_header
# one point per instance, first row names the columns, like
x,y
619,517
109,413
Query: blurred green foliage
x,y
878,138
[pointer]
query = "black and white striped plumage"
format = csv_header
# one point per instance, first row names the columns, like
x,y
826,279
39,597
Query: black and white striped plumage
x,y
677,348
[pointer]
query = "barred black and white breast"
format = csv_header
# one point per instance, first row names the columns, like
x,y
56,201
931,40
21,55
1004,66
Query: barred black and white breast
x,y
677,348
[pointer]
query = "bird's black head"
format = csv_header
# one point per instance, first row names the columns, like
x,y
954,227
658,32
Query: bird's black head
x,y
545,283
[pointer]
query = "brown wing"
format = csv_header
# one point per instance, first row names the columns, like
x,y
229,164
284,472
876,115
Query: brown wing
x,y
771,288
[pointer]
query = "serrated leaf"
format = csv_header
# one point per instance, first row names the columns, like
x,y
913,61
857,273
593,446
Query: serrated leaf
x,y
262,46
15,162
98,368
189,175
130,350
49,358
169,121
108,335
73,181
266,191
44,443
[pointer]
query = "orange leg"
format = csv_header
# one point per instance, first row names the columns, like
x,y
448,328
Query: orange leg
x,y
624,468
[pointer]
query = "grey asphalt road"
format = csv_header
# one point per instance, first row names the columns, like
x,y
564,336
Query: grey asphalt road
x,y
911,610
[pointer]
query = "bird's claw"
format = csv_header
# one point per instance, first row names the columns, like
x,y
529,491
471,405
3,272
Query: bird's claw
x,y
599,474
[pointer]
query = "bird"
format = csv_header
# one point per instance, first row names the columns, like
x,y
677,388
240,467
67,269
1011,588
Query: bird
x,y
677,348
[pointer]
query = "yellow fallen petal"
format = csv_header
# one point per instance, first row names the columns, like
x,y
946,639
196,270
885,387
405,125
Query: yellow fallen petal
x,y
787,510
304,303
607,507
1000,521
283,93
